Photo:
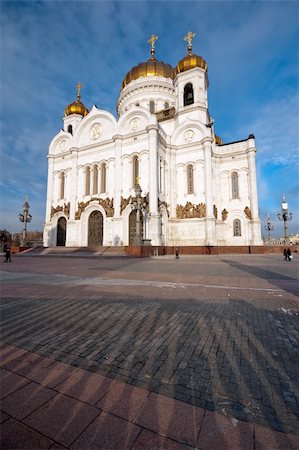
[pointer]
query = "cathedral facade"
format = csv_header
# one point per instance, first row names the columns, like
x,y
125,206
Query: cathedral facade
x,y
157,170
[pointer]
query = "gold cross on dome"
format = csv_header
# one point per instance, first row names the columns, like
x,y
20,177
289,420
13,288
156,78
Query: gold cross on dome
x,y
188,38
79,86
152,41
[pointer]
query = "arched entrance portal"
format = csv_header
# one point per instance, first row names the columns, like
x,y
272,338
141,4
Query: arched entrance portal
x,y
95,229
61,232
132,226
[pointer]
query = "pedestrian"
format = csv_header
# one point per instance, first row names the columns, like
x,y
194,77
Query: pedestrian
x,y
176,253
285,256
7,254
289,255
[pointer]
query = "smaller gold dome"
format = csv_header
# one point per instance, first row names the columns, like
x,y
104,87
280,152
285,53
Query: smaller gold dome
x,y
189,62
150,68
218,140
77,106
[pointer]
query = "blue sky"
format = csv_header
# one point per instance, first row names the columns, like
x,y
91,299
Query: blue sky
x,y
252,50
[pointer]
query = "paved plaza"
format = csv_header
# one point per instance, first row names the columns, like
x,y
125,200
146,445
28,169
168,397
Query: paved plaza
x,y
193,350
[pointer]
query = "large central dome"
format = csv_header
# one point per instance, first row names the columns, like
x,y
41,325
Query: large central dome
x,y
150,68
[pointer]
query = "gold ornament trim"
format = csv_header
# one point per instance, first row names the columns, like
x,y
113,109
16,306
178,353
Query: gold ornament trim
x,y
106,203
224,214
247,212
65,209
191,211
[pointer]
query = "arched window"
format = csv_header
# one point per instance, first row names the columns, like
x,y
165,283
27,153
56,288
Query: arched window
x,y
237,227
70,129
87,181
188,94
95,179
166,105
62,184
152,106
235,185
190,184
103,178
135,173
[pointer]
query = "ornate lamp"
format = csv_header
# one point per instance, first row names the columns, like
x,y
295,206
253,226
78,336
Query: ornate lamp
x,y
139,205
269,227
285,216
25,218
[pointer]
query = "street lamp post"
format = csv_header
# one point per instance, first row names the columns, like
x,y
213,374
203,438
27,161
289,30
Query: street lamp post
x,y
269,227
285,216
137,203
25,218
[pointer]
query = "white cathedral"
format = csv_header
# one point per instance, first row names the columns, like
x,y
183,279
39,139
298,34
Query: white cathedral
x,y
157,171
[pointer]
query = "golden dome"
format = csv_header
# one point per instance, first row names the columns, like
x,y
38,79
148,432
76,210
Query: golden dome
x,y
150,68
191,60
218,140
77,106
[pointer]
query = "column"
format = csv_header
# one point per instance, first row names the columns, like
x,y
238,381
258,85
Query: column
x,y
50,188
256,238
210,219
117,176
74,183
154,221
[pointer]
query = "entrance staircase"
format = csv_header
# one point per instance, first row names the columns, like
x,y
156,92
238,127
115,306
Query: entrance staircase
x,y
97,251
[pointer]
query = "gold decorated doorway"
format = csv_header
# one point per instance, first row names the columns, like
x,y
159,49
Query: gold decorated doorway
x,y
132,226
95,229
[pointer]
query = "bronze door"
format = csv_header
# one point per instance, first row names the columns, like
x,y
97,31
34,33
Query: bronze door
x,y
61,232
95,229
132,226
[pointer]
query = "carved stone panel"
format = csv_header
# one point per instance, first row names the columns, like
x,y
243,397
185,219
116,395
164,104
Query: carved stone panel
x,y
247,212
190,211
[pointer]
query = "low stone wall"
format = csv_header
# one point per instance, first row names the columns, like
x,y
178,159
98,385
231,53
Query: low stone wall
x,y
146,251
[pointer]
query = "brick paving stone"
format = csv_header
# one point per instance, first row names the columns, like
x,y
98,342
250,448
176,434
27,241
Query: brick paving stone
x,y
220,432
123,400
85,386
3,416
52,375
267,439
211,342
107,432
62,418
147,440
25,400
16,435
10,382
9,352
171,418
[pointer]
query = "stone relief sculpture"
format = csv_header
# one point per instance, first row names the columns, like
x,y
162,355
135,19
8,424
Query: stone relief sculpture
x,y
65,208
161,204
190,211
135,124
106,203
96,131
247,212
63,145
224,214
124,203
188,136
215,210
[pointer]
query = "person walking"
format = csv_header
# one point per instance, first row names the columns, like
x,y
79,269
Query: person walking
x,y
285,256
7,253
289,255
